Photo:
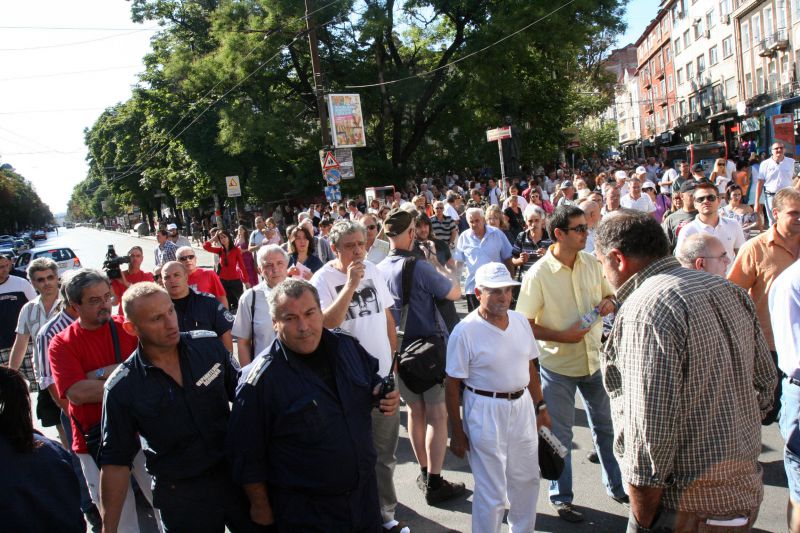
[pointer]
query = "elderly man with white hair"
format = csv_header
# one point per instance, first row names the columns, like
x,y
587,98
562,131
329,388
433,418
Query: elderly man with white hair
x,y
253,324
705,252
477,246
591,210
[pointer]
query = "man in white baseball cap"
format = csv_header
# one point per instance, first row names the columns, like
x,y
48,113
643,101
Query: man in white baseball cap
x,y
620,176
491,355
175,237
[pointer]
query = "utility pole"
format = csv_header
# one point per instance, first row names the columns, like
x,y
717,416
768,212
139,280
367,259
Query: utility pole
x,y
319,90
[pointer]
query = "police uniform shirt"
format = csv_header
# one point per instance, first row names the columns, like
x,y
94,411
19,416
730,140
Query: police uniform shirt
x,y
183,427
201,311
290,430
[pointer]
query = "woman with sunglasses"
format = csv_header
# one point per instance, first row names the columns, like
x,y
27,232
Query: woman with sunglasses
x,y
739,211
660,200
719,175
232,270
303,262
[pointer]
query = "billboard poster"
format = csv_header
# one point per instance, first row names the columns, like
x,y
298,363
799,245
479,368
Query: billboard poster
x,y
347,122
783,130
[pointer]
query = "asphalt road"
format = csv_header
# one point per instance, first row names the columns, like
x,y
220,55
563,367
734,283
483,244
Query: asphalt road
x,y
602,514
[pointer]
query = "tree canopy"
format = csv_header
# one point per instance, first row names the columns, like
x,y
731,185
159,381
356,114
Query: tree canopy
x,y
20,205
228,90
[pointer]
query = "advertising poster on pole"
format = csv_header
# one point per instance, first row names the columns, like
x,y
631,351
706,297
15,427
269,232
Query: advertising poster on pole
x,y
783,130
347,121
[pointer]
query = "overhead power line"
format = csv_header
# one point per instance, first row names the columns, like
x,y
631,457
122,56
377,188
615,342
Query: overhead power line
x,y
76,28
462,58
57,74
64,45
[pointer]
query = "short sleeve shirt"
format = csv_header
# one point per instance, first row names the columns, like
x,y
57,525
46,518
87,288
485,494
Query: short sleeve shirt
x,y
31,319
205,280
727,230
489,358
776,176
258,323
476,252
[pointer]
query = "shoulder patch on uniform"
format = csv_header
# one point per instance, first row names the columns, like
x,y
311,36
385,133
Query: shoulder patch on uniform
x,y
120,372
228,316
258,368
202,334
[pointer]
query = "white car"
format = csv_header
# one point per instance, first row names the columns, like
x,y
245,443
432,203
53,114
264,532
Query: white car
x,y
64,257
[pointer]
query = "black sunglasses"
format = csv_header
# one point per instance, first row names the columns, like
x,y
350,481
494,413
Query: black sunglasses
x,y
710,198
186,258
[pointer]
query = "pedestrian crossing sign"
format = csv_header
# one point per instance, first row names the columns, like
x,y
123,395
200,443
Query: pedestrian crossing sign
x,y
329,161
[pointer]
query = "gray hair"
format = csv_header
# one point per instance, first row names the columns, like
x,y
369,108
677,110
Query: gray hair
x,y
532,209
345,227
40,264
265,251
472,210
84,278
182,249
289,288
694,247
137,291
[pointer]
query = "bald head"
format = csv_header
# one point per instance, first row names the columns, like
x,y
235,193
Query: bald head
x,y
175,278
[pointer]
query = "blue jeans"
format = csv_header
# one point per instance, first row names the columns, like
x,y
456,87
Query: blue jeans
x,y
86,498
559,394
790,431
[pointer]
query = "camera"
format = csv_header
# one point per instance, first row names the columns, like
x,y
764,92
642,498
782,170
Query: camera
x,y
113,262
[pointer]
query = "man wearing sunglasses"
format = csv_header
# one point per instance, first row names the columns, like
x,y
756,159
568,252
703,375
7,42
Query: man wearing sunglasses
x,y
201,279
727,230
377,249
563,296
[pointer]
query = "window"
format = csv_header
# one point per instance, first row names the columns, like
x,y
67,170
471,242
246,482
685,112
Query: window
x,y
756,21
665,27
669,82
689,71
716,95
759,80
692,104
698,30
745,36
712,56
724,7
780,10
727,47
683,108
701,64
679,75
677,46
772,79
730,88
748,85
663,88
768,28
687,39
710,22
785,69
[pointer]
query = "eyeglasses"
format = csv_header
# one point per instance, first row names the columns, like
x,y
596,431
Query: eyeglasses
x,y
778,148
51,277
710,198
186,258
723,255
372,227
94,302
580,228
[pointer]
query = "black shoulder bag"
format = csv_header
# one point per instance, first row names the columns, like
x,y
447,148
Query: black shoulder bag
x,y
93,435
422,362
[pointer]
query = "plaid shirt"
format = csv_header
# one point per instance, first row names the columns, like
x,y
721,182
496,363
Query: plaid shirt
x,y
690,377
166,253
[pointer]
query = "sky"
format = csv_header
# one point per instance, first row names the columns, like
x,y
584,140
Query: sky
x,y
63,63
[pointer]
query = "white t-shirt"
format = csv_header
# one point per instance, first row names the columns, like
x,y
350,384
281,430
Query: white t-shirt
x,y
728,231
262,326
670,175
366,318
643,203
378,251
488,358
776,176
451,212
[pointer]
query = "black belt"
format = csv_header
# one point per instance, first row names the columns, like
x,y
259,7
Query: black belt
x,y
502,395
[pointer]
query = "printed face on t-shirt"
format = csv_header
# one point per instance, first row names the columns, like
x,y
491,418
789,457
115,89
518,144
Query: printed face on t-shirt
x,y
364,302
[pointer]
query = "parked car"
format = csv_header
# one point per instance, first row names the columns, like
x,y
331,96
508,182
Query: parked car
x,y
39,235
64,257
21,245
7,247
69,225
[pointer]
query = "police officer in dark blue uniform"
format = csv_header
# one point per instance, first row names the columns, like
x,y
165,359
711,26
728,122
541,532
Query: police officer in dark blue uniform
x,y
174,392
196,310
300,438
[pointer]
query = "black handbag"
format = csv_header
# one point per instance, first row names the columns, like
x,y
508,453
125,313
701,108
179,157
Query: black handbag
x,y
93,435
422,362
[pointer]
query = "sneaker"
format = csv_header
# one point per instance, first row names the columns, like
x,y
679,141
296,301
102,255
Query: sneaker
x,y
446,491
593,457
567,512
422,482
623,500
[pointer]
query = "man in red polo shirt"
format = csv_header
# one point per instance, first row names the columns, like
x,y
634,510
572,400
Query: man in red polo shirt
x,y
201,279
82,357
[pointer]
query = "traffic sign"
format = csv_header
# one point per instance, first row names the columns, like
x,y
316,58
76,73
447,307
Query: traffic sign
x,y
233,186
329,161
498,134
332,176
333,193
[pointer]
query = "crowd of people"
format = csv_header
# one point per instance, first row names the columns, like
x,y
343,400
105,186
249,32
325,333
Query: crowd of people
x,y
263,393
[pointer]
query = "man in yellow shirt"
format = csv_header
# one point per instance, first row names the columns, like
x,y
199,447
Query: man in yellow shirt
x,y
564,295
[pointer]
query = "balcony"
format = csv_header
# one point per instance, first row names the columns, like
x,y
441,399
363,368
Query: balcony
x,y
763,49
659,72
777,41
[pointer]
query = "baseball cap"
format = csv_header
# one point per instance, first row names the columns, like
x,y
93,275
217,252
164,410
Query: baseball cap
x,y
648,185
698,167
688,186
397,221
620,175
565,184
494,276
641,170
171,227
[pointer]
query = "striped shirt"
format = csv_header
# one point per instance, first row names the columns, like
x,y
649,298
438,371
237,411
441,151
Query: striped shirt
x,y
443,229
52,328
32,318
690,378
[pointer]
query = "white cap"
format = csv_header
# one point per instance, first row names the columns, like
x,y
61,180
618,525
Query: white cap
x,y
171,227
648,185
494,276
620,175
641,170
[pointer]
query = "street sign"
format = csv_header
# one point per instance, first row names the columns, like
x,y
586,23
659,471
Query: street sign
x,y
333,193
572,145
345,158
498,134
332,176
329,161
233,186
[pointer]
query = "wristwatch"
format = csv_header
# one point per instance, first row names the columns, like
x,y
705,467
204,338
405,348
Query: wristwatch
x,y
540,406
100,373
